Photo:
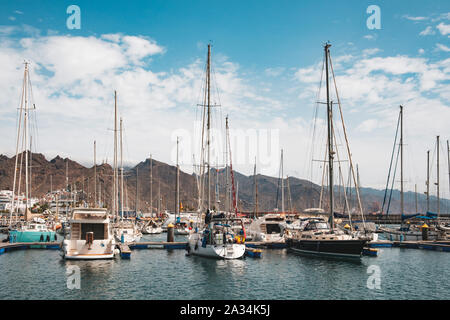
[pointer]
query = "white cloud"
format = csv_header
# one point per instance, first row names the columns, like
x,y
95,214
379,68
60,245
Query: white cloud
x,y
415,18
275,72
371,89
370,52
368,125
443,28
442,47
74,79
428,31
369,37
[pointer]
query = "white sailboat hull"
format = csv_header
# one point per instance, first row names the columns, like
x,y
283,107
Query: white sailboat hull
x,y
395,235
151,230
129,237
224,251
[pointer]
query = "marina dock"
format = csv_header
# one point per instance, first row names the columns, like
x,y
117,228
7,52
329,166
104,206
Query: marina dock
x,y
6,246
252,246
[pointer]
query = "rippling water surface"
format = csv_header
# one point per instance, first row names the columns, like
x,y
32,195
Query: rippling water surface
x,y
162,274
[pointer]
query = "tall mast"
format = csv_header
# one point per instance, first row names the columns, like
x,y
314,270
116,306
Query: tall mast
x,y
95,174
25,139
227,176
19,128
217,195
137,189
115,182
282,182
428,180
177,190
231,169
159,196
256,190
330,137
121,169
31,165
151,185
208,141
291,208
67,174
415,192
401,162
437,173
237,196
448,161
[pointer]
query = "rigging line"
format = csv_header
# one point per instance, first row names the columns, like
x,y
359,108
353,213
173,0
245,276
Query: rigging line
x,y
340,170
19,128
390,165
314,123
432,162
218,94
278,186
32,101
202,147
324,168
348,147
393,180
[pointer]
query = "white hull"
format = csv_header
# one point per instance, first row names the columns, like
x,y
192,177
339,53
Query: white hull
x,y
79,250
129,237
394,235
151,230
129,234
181,232
90,257
262,237
224,251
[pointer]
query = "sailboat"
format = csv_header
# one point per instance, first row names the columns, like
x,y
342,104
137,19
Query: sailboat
x,y
181,225
319,236
126,229
408,232
30,230
216,238
151,225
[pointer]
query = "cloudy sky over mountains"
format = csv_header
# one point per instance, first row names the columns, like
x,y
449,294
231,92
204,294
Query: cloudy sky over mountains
x,y
267,62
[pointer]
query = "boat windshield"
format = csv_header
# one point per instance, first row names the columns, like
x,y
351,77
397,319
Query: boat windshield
x,y
316,225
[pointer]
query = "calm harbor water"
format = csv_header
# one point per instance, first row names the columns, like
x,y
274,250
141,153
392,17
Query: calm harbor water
x,y
162,274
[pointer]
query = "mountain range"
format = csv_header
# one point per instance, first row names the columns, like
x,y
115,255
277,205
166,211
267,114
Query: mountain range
x,y
48,175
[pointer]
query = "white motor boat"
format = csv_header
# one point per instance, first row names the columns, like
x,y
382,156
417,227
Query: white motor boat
x,y
270,228
90,235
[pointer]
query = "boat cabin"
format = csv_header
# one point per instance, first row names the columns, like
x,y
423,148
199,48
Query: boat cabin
x,y
89,221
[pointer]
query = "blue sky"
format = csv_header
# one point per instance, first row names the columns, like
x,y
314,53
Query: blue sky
x,y
267,56
256,33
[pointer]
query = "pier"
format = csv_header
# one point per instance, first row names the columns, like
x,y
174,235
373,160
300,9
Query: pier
x,y
252,247
7,246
